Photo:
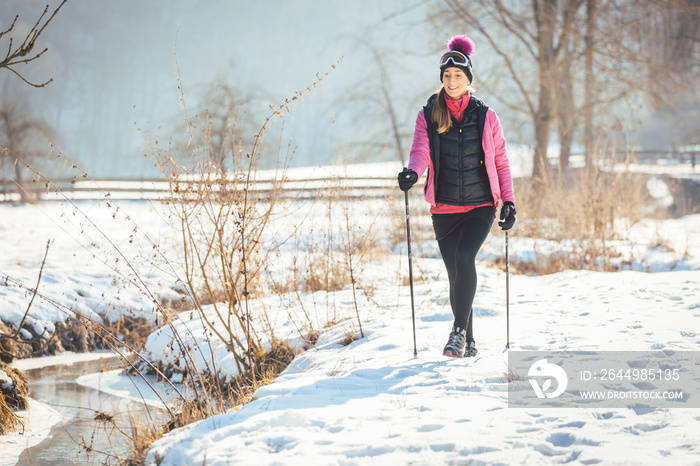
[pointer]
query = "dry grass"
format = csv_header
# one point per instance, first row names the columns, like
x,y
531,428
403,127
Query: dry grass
x,y
270,364
221,216
577,208
511,375
13,397
350,337
314,272
240,391
133,331
9,420
579,204
311,338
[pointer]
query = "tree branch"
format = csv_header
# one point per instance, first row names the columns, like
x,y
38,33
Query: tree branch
x,y
17,56
35,290
467,17
12,26
28,82
506,17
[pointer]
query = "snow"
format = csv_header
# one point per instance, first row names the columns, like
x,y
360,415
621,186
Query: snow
x,y
660,192
83,272
38,421
671,168
64,359
372,401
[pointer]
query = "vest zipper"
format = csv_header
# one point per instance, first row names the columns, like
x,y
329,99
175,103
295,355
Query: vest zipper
x,y
461,167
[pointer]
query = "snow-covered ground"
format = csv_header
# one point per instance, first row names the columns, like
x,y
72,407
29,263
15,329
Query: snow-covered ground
x,y
38,421
372,402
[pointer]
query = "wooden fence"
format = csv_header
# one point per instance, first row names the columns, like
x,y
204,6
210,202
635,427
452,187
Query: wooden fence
x,y
159,189
661,157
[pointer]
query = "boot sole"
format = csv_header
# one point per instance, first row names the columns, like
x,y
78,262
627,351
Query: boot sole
x,y
451,354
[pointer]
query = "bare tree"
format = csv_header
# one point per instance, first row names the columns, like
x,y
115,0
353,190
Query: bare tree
x,y
22,137
376,103
615,39
225,117
619,50
386,102
23,53
588,135
543,29
640,51
673,41
566,114
228,120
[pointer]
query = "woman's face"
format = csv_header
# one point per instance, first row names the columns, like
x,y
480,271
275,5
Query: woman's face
x,y
455,82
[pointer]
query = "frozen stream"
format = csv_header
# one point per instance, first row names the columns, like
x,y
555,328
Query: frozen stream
x,y
79,438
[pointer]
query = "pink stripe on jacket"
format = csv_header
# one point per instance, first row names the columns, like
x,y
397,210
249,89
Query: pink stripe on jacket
x,y
496,160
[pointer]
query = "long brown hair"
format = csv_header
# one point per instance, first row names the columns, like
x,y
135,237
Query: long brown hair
x,y
441,114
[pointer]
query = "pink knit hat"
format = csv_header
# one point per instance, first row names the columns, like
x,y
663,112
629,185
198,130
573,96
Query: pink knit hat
x,y
460,49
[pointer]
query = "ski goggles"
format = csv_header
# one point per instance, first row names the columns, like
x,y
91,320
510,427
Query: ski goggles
x,y
457,59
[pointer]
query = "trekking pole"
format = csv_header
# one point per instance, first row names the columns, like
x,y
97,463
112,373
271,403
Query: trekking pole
x,y
507,298
410,272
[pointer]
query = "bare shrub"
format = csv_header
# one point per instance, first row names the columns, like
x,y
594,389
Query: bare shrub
x,y
222,218
350,337
579,211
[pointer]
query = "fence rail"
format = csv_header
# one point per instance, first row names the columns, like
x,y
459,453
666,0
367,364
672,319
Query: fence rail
x,y
359,181
661,157
159,189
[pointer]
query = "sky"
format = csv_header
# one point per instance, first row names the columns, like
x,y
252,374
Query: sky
x,y
115,84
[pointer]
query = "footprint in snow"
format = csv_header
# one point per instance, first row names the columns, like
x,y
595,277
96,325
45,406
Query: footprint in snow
x,y
638,429
443,447
641,410
430,428
478,450
387,347
577,424
547,450
367,452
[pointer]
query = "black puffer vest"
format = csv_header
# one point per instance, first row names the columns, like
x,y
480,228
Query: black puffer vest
x,y
460,176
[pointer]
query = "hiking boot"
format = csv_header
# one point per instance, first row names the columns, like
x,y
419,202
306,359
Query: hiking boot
x,y
455,344
471,350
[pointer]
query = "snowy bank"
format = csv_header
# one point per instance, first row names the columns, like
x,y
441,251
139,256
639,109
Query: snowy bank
x,y
372,402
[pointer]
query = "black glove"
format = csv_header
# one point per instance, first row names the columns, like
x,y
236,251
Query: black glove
x,y
407,178
507,216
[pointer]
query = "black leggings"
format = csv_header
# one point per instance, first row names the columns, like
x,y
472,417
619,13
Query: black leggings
x,y
460,237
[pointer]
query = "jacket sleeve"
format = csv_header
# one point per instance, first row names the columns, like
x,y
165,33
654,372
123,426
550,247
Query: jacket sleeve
x,y
419,160
505,180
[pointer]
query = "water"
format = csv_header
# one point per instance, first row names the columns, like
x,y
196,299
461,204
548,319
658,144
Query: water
x,y
80,438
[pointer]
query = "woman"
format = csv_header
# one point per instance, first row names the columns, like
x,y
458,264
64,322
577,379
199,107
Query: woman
x,y
459,141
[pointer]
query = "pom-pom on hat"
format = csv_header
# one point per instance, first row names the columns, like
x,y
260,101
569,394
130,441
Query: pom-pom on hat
x,y
460,49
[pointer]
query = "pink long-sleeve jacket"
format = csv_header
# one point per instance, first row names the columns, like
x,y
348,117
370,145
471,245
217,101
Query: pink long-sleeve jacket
x,y
496,158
